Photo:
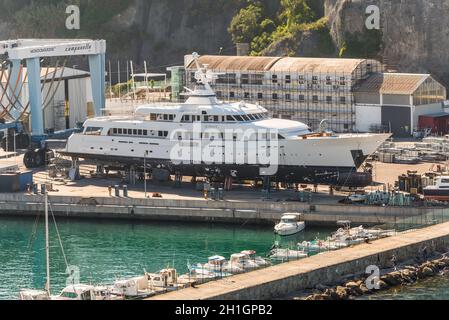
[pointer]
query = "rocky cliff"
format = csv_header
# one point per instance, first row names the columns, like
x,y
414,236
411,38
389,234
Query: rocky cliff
x,y
414,33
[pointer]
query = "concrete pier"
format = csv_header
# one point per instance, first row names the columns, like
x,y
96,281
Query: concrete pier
x,y
281,280
248,212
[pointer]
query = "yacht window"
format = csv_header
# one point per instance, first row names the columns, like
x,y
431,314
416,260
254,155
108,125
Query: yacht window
x,y
251,117
145,132
238,118
260,96
165,117
160,117
185,118
135,132
119,131
246,118
216,119
114,131
69,295
230,118
444,180
206,118
153,117
139,132
231,94
93,131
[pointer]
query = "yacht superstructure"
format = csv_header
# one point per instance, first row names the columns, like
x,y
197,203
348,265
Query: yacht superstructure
x,y
208,137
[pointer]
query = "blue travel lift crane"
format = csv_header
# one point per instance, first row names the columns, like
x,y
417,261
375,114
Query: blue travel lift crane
x,y
32,51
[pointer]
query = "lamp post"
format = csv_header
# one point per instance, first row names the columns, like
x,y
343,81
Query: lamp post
x,y
145,171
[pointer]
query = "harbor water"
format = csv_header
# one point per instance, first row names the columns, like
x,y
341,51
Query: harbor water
x,y
105,250
435,288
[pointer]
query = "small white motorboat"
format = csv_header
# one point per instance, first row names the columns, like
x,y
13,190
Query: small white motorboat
x,y
243,261
134,288
30,294
281,254
261,262
290,224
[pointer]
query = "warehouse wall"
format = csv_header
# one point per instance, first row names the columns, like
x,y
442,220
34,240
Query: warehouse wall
x,y
367,116
396,99
366,98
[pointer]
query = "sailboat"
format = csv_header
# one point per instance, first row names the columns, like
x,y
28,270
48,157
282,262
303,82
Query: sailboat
x,y
71,292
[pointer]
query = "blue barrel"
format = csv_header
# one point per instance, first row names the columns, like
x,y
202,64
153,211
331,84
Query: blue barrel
x,y
117,190
125,191
220,194
43,188
35,188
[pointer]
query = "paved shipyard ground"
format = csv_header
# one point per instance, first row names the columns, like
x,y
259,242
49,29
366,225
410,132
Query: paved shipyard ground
x,y
91,186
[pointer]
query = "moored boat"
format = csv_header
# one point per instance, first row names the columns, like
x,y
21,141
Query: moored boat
x,y
290,224
439,191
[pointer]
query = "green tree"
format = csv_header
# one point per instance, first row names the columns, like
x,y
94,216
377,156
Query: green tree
x,y
245,26
294,12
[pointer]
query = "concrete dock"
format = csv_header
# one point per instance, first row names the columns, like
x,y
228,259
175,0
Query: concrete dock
x,y
281,280
247,212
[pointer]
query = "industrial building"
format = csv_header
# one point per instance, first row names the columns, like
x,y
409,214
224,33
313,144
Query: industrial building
x,y
395,102
66,96
351,94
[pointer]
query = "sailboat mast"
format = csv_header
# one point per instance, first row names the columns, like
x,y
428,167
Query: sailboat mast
x,y
47,247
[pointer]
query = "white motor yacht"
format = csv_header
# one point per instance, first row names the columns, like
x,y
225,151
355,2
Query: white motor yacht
x,y
290,224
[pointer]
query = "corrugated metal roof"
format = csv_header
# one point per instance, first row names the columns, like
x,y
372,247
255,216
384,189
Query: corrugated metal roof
x,y
278,64
316,65
236,63
392,83
436,115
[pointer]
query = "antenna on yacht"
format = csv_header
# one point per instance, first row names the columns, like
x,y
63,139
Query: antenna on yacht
x,y
202,75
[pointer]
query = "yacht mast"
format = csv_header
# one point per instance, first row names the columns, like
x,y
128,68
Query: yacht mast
x,y
47,247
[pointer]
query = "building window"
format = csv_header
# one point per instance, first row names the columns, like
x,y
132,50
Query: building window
x,y
342,81
288,97
275,96
218,93
232,94
314,80
246,95
302,98
328,81
244,79
229,78
274,78
329,99
260,96
301,79
315,99
288,79
343,100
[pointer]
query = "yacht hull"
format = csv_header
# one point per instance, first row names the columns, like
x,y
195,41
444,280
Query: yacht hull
x,y
289,174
